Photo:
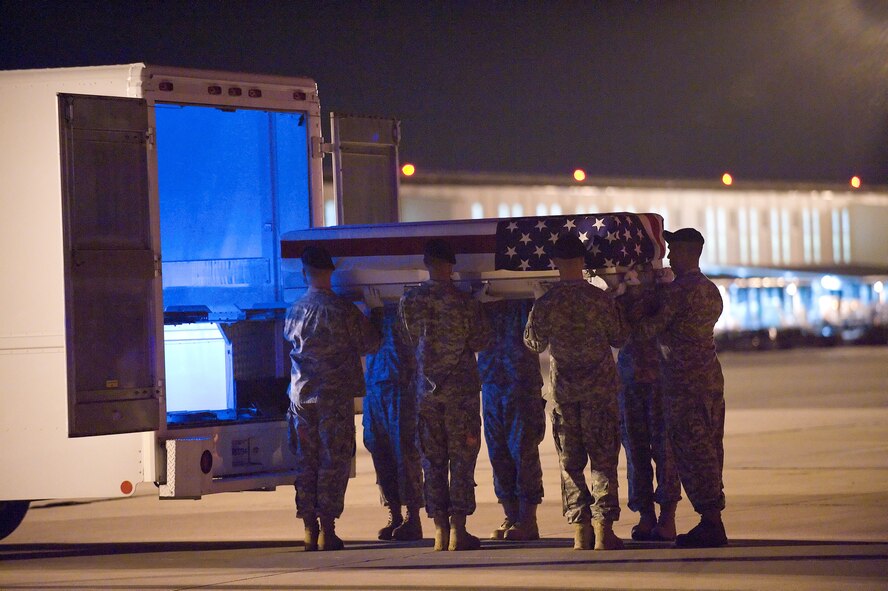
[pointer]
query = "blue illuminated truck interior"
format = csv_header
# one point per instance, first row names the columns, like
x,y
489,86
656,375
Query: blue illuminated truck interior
x,y
229,183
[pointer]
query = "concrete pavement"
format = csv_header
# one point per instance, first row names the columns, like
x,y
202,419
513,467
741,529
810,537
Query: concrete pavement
x,y
806,479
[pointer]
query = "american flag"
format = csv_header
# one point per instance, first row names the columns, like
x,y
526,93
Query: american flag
x,y
613,240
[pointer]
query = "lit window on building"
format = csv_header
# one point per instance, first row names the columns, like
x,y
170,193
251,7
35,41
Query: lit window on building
x,y
785,236
775,237
806,235
710,246
815,235
541,209
477,211
754,252
743,235
502,210
836,237
555,209
846,235
721,219
517,210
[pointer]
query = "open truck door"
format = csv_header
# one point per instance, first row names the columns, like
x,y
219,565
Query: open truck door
x,y
113,329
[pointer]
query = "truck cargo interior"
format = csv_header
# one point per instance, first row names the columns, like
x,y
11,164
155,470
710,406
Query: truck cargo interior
x,y
229,183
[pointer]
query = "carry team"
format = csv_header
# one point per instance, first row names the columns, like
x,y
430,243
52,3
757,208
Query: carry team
x,y
428,357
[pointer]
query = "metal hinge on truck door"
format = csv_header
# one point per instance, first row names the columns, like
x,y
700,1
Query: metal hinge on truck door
x,y
319,147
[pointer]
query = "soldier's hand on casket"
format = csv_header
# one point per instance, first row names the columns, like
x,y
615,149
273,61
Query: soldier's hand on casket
x,y
665,275
372,298
617,290
483,294
539,289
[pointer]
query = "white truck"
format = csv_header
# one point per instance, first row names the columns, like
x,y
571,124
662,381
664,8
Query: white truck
x,y
151,220
143,287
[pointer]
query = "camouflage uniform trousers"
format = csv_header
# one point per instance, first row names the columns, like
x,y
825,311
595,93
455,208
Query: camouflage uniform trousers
x,y
322,437
514,427
588,432
643,430
695,420
449,439
390,436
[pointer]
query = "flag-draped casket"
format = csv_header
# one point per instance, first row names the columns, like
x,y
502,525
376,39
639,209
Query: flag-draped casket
x,y
499,250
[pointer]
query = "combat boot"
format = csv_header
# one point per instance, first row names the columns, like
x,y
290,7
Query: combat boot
x,y
460,539
646,525
525,528
411,528
584,538
664,531
511,510
311,533
442,532
709,533
605,538
394,521
327,539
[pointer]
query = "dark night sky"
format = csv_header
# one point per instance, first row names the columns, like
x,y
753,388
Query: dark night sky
x,y
792,91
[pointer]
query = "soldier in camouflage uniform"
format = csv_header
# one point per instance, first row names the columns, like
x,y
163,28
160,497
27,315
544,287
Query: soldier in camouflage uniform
x,y
643,426
390,430
445,327
693,384
329,334
580,323
514,419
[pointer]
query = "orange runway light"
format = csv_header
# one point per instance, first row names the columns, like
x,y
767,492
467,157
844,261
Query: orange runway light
x,y
579,175
727,179
408,170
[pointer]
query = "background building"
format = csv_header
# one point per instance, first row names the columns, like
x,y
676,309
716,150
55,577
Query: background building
x,y
793,262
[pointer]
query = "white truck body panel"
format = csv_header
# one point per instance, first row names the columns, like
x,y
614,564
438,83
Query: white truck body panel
x,y
40,459
45,462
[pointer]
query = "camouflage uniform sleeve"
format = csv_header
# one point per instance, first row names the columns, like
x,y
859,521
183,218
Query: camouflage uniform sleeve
x,y
481,332
618,332
368,336
650,327
535,335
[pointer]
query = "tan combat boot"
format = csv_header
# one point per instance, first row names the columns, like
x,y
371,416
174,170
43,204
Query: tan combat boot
x,y
511,510
411,528
584,538
327,539
646,525
665,528
460,539
311,533
442,532
525,528
394,521
605,538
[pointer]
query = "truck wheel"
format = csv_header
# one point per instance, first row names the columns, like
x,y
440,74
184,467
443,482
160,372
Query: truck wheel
x,y
11,515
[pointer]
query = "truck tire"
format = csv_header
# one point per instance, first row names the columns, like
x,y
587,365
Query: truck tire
x,y
11,515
